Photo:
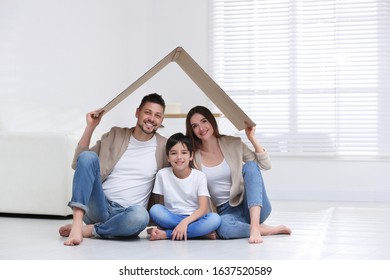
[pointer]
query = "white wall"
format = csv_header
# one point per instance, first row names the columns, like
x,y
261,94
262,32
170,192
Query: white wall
x,y
325,179
61,59
171,24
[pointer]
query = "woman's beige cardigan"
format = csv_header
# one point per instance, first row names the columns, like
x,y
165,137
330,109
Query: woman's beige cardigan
x,y
236,153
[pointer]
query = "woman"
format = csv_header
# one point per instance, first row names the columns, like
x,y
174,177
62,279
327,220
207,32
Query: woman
x,y
236,190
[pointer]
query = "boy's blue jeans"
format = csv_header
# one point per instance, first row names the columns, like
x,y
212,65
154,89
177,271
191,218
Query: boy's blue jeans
x,y
110,219
168,221
236,220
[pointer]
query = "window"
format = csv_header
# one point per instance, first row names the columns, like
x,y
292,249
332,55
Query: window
x,y
313,75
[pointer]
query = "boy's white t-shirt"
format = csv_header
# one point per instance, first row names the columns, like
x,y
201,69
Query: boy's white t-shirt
x,y
181,195
131,181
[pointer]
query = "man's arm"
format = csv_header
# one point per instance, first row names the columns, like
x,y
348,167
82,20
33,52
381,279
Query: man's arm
x,y
93,119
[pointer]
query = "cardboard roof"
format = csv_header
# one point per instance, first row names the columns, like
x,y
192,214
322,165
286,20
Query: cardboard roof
x,y
214,92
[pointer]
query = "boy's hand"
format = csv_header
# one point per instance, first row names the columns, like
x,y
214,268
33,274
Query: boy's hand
x,y
180,231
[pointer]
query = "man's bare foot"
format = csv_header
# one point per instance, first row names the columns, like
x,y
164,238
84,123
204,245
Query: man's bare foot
x,y
254,235
272,230
65,230
212,235
75,234
75,237
157,234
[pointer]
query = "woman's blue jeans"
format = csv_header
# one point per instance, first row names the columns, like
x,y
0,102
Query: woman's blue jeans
x,y
168,221
236,220
110,219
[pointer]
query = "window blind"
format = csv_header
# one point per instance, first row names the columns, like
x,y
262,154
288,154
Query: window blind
x,y
313,75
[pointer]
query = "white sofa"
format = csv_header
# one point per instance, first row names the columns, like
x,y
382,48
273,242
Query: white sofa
x,y
35,172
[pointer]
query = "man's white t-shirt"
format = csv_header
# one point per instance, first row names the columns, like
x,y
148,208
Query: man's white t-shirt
x,y
181,195
131,181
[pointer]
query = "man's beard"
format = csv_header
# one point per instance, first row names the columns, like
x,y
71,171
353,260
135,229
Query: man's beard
x,y
140,125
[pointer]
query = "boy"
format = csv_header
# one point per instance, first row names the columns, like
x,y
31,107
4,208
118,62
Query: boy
x,y
184,195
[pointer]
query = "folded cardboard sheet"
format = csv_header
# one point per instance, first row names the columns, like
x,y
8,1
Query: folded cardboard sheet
x,y
214,92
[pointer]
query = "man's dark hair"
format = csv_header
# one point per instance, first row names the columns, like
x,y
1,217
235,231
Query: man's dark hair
x,y
153,98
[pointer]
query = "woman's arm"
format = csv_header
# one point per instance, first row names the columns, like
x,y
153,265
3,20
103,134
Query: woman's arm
x,y
250,134
262,156
180,231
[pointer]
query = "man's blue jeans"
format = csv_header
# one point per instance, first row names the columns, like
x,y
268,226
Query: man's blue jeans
x,y
168,221
110,219
236,220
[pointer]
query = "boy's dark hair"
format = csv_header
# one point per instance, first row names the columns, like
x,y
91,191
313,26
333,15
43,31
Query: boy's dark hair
x,y
154,98
179,138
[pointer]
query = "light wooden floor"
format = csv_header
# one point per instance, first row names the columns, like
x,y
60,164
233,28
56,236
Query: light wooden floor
x,y
321,231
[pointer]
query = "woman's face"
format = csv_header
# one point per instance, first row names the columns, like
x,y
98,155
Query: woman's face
x,y
201,127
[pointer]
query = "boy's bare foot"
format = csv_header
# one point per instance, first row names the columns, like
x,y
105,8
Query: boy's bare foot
x,y
272,230
157,234
212,235
149,230
254,235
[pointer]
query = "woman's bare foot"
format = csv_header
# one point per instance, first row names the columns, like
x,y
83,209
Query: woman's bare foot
x,y
157,234
272,230
255,235
212,235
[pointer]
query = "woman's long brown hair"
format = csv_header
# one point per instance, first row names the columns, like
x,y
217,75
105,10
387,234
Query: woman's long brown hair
x,y
205,112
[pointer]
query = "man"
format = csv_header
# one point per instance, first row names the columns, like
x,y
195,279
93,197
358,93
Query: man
x,y
113,179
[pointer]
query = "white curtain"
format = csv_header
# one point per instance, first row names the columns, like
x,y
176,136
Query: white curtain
x,y
313,75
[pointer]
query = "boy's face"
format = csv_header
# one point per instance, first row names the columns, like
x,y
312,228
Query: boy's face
x,y
149,117
179,157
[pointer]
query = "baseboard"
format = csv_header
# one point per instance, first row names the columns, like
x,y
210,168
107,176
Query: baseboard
x,y
36,216
329,195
